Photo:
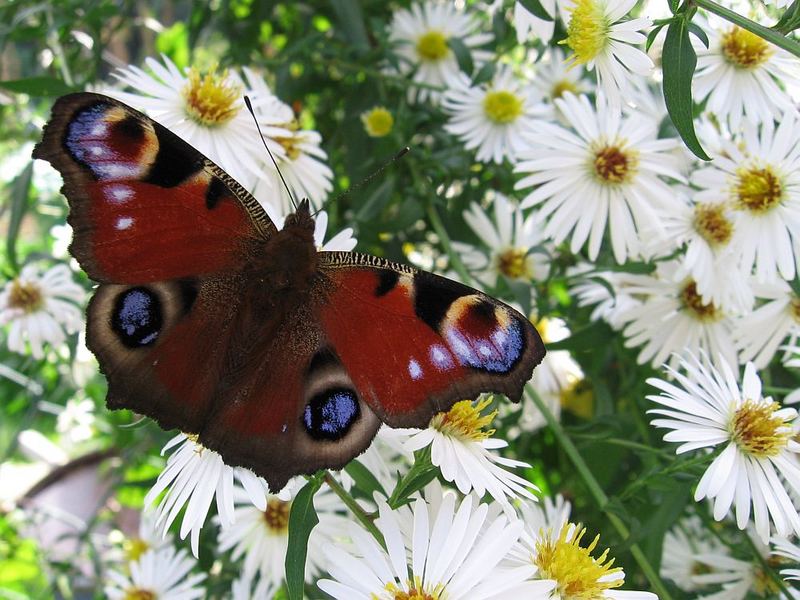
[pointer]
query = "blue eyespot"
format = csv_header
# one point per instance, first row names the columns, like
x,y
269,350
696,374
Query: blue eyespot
x,y
330,414
137,318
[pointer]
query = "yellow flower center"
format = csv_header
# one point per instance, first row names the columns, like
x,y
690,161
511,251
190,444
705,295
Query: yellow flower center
x,y
415,592
211,99
513,263
562,87
712,224
693,302
577,574
25,296
464,420
794,308
757,430
277,516
763,584
378,122
432,46
139,594
502,106
577,397
134,548
757,190
614,164
587,32
744,50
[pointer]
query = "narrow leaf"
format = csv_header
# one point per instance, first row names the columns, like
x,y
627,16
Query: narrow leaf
x,y
463,55
18,202
420,475
366,482
302,519
37,86
698,31
678,64
536,9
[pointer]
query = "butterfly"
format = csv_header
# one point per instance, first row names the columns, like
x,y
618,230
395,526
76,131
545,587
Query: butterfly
x,y
282,358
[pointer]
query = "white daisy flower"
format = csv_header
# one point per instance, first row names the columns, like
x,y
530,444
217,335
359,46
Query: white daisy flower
x,y
194,476
303,168
608,290
559,379
562,561
673,318
742,75
464,451
490,117
526,23
706,229
420,37
761,183
76,421
41,308
159,575
739,579
208,111
783,547
553,76
706,409
777,321
600,39
262,536
448,552
517,249
606,171
148,537
682,544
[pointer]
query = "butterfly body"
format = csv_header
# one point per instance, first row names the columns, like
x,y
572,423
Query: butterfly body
x,y
282,358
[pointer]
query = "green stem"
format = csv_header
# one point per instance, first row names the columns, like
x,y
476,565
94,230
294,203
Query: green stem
x,y
58,50
363,517
624,444
598,494
760,30
438,227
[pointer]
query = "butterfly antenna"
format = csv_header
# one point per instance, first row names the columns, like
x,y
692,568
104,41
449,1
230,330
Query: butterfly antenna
x,y
274,162
370,177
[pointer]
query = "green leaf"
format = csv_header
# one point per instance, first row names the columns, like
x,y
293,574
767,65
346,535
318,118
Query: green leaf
x,y
366,482
420,475
302,519
351,21
174,42
18,200
463,55
536,9
37,86
790,19
651,37
698,31
485,73
678,64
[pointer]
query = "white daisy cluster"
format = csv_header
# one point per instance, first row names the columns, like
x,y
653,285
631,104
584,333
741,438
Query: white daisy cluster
x,y
570,197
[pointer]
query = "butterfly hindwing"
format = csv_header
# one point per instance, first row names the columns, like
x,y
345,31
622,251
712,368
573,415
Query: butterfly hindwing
x,y
414,343
145,205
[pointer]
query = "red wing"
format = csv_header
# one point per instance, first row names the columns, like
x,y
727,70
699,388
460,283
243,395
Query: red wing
x,y
145,205
414,343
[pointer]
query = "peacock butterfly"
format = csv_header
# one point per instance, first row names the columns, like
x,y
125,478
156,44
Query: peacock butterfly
x,y
282,358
